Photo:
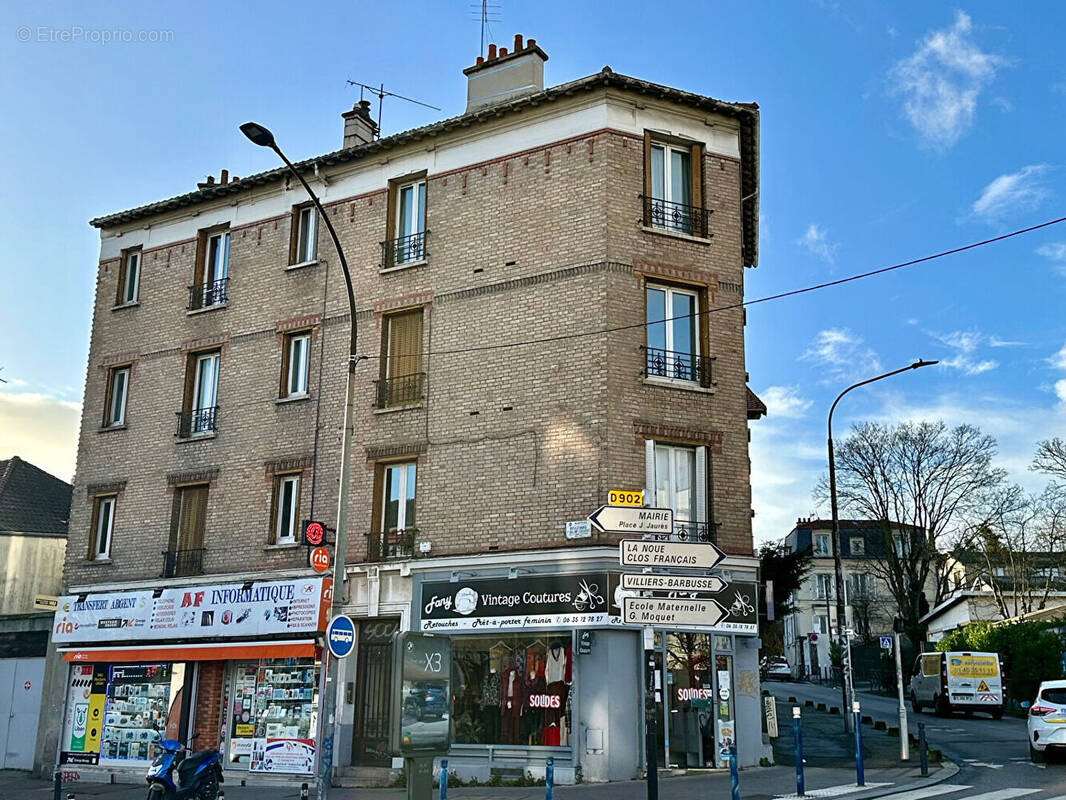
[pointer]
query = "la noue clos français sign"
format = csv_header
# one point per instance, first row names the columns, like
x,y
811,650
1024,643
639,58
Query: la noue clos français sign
x,y
650,553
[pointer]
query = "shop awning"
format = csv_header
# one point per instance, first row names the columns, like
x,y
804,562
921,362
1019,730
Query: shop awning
x,y
221,651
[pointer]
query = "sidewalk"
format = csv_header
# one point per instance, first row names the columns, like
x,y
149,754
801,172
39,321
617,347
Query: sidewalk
x,y
828,754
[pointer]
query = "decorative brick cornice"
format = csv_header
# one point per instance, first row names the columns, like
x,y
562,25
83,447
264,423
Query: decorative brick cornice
x,y
113,359
675,433
110,487
663,269
207,475
207,343
395,451
291,464
407,301
298,323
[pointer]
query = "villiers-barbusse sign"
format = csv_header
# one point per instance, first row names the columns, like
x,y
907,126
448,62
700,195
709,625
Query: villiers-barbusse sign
x,y
586,599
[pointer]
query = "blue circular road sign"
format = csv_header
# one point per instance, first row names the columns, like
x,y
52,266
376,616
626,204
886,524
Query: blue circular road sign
x,y
340,635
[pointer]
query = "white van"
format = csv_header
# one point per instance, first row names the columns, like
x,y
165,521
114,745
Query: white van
x,y
947,682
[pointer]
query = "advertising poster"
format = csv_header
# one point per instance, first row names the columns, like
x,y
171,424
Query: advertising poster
x,y
84,715
283,755
226,610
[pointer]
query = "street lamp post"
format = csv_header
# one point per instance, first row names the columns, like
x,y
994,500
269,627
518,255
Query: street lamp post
x,y
845,683
264,138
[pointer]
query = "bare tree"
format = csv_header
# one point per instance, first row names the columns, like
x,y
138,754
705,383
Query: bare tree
x,y
1050,458
924,483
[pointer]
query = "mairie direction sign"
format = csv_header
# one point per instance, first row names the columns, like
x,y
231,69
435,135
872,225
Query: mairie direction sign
x,y
626,519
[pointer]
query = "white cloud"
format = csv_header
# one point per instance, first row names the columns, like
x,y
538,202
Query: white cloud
x,y
40,429
816,241
785,401
1056,253
843,353
1011,193
1058,361
965,344
941,81
995,341
968,365
1003,104
1060,390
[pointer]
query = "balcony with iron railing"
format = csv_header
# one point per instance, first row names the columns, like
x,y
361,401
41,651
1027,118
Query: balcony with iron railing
x,y
207,295
179,563
391,545
679,366
676,217
690,531
404,250
399,391
197,422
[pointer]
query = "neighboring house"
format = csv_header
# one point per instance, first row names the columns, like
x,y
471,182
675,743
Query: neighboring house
x,y
34,507
869,605
981,605
578,217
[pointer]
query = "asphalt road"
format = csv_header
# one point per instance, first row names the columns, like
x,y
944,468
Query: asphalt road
x,y
993,755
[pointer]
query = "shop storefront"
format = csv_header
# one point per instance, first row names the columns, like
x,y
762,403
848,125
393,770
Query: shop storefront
x,y
237,664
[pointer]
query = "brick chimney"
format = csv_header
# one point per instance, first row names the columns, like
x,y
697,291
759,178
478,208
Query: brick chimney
x,y
359,126
505,75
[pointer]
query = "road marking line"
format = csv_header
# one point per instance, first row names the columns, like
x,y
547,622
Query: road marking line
x,y
931,791
1003,794
833,791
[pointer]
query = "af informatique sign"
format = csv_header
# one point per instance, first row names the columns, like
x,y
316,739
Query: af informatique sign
x,y
190,612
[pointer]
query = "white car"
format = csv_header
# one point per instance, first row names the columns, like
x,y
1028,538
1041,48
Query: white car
x,y
1047,719
776,668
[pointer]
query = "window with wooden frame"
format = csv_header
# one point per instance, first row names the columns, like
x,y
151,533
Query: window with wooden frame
x,y
199,414
394,523
118,384
303,239
211,275
129,277
673,186
102,527
677,334
188,523
401,377
295,364
285,508
405,233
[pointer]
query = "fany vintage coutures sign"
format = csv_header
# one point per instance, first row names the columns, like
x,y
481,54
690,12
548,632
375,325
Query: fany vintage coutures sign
x,y
533,601
191,612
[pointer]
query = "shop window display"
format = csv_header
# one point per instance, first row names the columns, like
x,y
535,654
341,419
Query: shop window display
x,y
273,709
513,689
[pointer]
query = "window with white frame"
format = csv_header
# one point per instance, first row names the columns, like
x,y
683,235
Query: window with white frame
x,y
676,477
296,361
118,380
820,624
286,508
823,587
398,498
409,228
305,241
212,270
863,587
857,545
129,280
670,204
673,322
103,522
200,411
821,545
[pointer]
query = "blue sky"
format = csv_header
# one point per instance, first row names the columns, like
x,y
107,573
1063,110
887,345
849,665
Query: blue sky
x,y
889,131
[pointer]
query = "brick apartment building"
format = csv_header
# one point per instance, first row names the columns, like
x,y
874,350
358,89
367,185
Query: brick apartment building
x,y
559,220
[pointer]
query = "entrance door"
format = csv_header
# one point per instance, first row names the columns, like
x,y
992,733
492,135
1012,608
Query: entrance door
x,y
20,706
370,737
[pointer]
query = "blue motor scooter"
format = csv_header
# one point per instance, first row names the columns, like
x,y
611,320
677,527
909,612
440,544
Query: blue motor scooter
x,y
199,774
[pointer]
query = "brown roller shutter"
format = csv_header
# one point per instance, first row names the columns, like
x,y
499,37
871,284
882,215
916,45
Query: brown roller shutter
x,y
699,222
286,359
201,257
703,325
647,177
192,519
405,344
390,225
294,233
190,382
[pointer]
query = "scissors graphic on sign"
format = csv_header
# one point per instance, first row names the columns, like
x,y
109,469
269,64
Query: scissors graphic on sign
x,y
589,597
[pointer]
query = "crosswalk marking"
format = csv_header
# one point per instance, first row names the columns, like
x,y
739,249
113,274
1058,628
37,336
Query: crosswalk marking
x,y
1003,794
833,791
931,791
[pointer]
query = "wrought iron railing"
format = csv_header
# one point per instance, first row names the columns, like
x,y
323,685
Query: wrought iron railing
x,y
404,250
197,422
205,295
402,390
679,366
177,563
391,545
677,217
690,531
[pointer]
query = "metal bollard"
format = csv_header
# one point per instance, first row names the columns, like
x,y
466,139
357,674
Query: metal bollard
x,y
58,777
221,794
860,771
444,779
923,750
549,778
734,774
797,739
303,791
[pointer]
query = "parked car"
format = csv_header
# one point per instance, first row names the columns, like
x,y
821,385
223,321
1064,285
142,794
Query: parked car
x,y
1047,720
775,668
948,682
426,701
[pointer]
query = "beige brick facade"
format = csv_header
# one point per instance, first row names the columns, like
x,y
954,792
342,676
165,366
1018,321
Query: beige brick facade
x,y
524,244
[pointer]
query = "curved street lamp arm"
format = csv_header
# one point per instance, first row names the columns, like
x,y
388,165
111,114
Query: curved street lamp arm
x,y
916,365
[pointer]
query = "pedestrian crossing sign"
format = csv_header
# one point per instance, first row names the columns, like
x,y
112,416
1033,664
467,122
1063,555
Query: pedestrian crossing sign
x,y
982,686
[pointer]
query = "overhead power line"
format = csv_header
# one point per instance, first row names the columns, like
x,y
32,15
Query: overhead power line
x,y
780,296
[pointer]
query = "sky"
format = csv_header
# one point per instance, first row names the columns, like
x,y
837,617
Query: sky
x,y
890,131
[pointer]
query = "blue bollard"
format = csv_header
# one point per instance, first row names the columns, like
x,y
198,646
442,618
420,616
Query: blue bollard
x,y
734,774
860,772
797,738
549,778
444,779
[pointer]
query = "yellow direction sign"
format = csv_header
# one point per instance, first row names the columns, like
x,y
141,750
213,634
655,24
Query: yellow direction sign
x,y
625,497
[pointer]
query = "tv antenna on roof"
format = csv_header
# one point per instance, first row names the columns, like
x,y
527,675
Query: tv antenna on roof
x,y
382,94
486,13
